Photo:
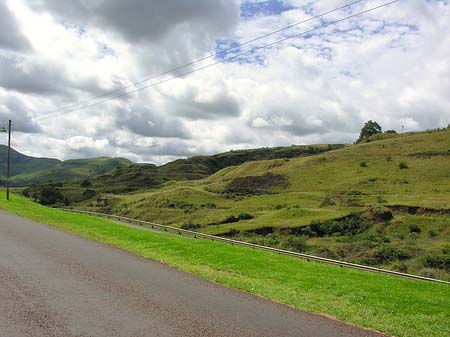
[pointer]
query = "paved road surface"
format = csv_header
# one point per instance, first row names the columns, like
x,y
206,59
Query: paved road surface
x,y
53,283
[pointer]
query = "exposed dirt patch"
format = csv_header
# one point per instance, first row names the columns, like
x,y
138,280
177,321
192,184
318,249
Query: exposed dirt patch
x,y
256,185
417,210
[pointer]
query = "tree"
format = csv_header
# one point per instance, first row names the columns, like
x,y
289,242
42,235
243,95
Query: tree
x,y
369,129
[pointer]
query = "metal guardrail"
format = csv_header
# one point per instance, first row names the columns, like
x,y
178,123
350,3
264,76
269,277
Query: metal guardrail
x,y
255,246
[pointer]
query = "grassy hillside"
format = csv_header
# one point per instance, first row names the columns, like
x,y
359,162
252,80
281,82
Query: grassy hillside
x,y
21,163
396,306
26,170
71,169
129,178
384,203
145,176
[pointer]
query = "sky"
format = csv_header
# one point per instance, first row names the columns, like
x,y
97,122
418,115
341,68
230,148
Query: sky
x,y
391,65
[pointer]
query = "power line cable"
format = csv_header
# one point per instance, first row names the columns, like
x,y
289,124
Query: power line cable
x,y
204,58
219,62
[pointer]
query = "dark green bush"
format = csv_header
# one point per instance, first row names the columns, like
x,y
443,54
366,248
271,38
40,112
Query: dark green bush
x,y
89,194
363,164
230,219
50,195
294,243
385,253
432,233
352,193
208,205
413,228
347,226
403,166
189,225
437,260
245,216
85,183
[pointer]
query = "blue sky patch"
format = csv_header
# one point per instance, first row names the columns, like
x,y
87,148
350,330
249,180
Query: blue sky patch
x,y
269,7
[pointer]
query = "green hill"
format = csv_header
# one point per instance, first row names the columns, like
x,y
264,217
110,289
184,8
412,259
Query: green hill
x,y
26,170
21,163
384,203
145,176
71,169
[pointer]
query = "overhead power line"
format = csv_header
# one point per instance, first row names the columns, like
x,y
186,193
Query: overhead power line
x,y
203,58
57,112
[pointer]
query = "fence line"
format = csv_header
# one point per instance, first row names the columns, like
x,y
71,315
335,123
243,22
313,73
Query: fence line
x,y
255,246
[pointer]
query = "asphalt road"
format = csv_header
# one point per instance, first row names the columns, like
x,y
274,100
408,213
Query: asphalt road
x,y
53,283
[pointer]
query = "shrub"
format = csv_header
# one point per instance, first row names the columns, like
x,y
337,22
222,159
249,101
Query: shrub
x,y
50,195
432,233
403,166
245,216
413,228
437,260
294,243
351,193
385,253
363,164
327,202
189,225
85,183
89,194
347,226
208,205
388,158
233,232
230,219
401,267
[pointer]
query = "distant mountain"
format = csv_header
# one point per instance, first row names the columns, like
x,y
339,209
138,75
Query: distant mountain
x,y
26,170
21,163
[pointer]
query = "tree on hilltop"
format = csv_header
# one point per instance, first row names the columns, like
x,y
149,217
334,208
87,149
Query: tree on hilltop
x,y
369,129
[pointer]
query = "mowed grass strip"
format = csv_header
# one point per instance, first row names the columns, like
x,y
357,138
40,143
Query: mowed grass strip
x,y
389,304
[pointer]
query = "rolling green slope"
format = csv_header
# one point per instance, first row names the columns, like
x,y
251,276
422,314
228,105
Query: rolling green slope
x,y
71,169
384,203
21,163
26,170
145,176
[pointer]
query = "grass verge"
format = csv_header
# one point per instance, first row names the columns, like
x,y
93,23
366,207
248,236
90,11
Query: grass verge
x,y
392,305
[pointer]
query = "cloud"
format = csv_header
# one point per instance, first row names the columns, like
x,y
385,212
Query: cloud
x,y
17,74
11,37
390,66
145,121
200,99
147,20
12,107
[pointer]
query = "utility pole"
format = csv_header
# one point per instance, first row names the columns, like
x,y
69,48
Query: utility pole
x,y
8,165
9,161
